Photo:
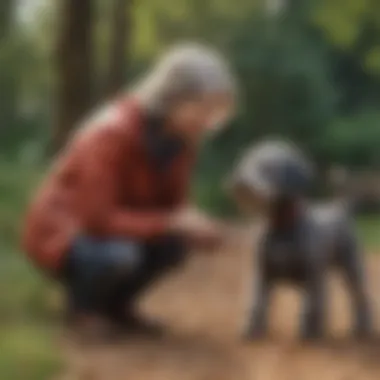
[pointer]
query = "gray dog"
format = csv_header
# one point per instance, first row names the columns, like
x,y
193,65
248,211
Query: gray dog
x,y
301,241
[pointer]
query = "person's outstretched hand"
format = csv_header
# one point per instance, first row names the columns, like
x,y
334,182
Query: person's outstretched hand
x,y
200,230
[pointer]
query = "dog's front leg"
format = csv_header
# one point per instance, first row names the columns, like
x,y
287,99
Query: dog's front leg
x,y
313,318
256,325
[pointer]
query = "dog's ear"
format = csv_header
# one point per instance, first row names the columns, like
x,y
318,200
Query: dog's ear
x,y
248,201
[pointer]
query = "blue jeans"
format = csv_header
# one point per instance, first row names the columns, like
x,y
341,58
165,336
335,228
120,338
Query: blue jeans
x,y
106,276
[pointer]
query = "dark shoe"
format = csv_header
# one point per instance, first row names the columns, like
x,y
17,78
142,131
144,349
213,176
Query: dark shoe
x,y
132,323
93,329
253,335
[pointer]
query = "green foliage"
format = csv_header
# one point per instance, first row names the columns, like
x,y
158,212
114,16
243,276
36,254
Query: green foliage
x,y
26,353
161,23
352,140
308,74
27,304
368,229
343,21
287,87
24,78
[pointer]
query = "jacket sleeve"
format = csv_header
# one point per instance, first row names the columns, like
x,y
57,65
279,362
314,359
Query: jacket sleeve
x,y
100,187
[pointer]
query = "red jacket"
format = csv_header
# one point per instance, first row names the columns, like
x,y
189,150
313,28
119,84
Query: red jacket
x,y
107,184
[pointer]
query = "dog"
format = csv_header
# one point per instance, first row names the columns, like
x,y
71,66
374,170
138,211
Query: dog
x,y
301,242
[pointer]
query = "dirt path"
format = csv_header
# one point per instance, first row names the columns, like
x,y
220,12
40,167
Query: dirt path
x,y
204,307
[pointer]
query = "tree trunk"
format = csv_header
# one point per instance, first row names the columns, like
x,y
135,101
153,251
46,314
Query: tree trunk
x,y
9,84
119,46
74,67
6,17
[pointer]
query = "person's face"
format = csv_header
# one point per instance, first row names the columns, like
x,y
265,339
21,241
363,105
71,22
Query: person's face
x,y
193,119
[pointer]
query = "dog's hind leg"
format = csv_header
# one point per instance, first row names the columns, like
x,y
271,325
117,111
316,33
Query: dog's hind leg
x,y
352,267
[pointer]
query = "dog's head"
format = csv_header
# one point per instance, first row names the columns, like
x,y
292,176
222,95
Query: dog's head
x,y
269,171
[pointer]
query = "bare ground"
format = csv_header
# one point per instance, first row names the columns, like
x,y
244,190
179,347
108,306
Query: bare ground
x,y
204,305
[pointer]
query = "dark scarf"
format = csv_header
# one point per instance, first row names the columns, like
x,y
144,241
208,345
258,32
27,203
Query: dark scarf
x,y
163,147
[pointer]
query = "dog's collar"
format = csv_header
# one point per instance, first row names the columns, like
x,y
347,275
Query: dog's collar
x,y
285,214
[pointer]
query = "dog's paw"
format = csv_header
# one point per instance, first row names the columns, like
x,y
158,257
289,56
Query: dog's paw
x,y
253,335
311,336
363,334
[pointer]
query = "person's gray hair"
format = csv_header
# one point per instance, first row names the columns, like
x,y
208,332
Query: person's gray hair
x,y
186,72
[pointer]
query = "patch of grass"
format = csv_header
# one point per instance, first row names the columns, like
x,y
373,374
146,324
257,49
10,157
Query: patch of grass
x,y
26,315
26,352
26,320
369,231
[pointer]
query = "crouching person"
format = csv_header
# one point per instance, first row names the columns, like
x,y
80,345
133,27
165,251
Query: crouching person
x,y
112,215
301,241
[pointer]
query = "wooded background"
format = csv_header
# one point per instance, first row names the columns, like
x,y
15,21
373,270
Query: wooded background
x,y
309,71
